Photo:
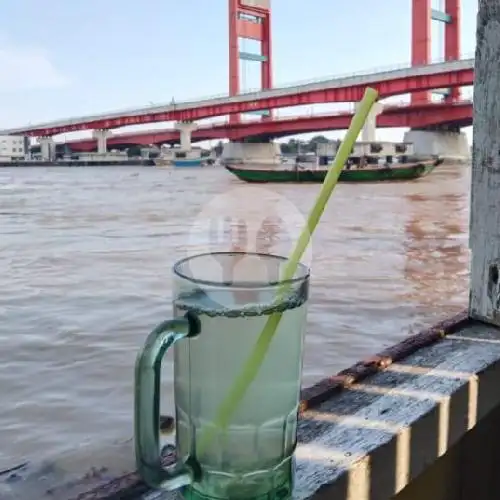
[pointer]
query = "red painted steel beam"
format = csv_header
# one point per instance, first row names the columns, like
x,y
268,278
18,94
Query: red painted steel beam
x,y
234,48
452,31
420,32
244,28
420,42
452,41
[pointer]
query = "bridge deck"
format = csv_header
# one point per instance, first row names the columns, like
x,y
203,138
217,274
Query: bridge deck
x,y
334,83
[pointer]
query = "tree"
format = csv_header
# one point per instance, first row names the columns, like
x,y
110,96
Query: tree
x,y
294,146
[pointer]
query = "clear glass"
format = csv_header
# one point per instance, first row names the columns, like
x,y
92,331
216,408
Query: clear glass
x,y
228,298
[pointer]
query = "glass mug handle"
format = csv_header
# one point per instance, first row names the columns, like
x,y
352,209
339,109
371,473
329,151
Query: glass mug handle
x,y
147,404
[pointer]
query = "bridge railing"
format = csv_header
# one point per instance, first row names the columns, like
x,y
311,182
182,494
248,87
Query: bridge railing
x,y
364,72
158,108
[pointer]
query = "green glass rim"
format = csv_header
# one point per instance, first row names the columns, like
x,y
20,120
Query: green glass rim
x,y
303,272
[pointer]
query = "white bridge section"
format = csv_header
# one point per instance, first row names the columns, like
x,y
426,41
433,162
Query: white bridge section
x,y
334,83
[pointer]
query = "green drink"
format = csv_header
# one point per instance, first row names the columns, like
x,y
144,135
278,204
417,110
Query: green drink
x,y
223,302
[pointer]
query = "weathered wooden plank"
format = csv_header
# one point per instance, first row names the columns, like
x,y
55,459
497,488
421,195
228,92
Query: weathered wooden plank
x,y
365,442
484,303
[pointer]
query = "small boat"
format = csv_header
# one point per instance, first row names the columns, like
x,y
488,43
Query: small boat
x,y
175,157
396,172
179,162
188,162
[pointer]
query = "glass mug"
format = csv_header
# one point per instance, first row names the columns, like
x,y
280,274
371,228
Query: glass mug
x,y
221,303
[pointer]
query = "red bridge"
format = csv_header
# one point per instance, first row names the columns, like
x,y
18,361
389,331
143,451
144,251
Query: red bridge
x,y
252,19
445,115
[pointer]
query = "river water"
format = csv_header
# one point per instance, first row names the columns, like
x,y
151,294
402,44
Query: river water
x,y
85,258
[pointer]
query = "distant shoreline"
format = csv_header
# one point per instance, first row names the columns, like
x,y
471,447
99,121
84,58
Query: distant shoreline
x,y
79,163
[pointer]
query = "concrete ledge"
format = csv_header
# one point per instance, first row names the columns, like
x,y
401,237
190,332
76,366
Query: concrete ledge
x,y
365,434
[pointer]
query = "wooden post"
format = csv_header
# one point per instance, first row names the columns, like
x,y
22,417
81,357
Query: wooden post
x,y
484,300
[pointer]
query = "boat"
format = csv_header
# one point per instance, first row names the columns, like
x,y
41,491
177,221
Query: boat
x,y
394,172
176,157
179,162
188,162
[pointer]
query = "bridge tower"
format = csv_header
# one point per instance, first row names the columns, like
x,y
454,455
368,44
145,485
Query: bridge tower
x,y
422,16
250,19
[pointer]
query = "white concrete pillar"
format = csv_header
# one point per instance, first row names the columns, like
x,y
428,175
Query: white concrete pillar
x,y
369,132
101,135
449,145
46,147
186,129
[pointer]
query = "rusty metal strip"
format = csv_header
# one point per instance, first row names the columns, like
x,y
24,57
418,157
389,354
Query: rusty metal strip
x,y
130,486
325,389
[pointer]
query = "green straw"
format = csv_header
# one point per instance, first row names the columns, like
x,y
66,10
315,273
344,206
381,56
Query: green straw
x,y
254,362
